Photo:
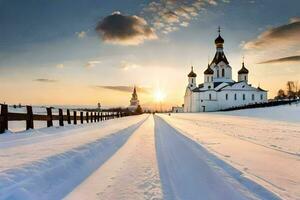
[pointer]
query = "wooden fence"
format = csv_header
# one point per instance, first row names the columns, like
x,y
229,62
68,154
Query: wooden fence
x,y
262,105
76,117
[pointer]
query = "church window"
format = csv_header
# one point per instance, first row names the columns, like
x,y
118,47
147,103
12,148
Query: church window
x,y
218,73
245,78
192,80
223,72
253,98
261,97
244,97
209,96
226,96
207,79
212,78
209,87
234,96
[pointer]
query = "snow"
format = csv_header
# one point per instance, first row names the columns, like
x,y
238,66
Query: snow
x,y
132,173
235,155
264,150
51,164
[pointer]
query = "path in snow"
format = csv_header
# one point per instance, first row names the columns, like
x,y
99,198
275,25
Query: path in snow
x,y
131,173
188,171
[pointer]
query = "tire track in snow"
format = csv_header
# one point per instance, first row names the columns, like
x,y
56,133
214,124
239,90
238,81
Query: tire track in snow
x,y
55,176
188,171
131,173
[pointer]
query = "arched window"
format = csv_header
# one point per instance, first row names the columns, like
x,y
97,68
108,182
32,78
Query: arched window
x,y
234,96
245,78
261,97
192,80
244,97
253,97
218,75
212,78
223,72
226,96
207,79
209,96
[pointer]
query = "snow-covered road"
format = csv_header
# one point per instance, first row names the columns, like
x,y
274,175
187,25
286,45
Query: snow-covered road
x,y
153,157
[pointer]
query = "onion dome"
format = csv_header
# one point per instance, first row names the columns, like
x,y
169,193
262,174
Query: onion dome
x,y
208,71
192,73
243,70
219,40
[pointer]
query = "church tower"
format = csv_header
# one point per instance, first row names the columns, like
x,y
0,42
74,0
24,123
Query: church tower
x,y
220,65
243,73
134,101
192,79
208,78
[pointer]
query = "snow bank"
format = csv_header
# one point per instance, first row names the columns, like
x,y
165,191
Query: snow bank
x,y
51,165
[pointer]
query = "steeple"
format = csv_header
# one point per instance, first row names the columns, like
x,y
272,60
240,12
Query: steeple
x,y
134,101
219,56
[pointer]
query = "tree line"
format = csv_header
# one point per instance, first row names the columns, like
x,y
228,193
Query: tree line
x,y
292,91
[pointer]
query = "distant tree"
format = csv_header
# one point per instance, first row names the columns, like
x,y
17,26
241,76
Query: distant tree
x,y
291,89
280,95
139,110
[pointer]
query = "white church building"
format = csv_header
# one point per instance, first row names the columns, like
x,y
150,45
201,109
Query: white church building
x,y
219,91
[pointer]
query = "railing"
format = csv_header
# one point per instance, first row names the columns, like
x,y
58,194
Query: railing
x,y
78,116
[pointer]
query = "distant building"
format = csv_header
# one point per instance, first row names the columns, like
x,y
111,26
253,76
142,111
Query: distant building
x,y
219,91
134,101
177,109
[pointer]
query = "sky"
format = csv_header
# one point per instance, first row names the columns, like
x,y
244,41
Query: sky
x,y
81,52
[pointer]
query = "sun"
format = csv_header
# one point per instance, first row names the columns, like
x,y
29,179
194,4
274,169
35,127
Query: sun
x,y
159,95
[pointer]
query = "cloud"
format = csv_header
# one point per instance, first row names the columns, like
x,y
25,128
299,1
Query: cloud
x,y
45,80
125,30
93,63
125,65
168,15
60,66
283,36
81,34
282,60
125,88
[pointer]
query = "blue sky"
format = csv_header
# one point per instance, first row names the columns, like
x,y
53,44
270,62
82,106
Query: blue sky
x,y
56,40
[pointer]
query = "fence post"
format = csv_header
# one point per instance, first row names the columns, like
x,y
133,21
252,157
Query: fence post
x,y
61,117
75,117
87,117
68,116
81,117
29,120
49,117
4,120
